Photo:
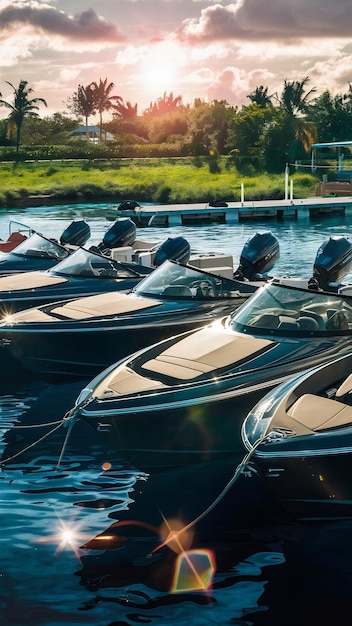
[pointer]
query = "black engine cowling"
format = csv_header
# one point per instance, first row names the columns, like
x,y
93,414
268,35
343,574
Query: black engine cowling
x,y
258,257
76,234
332,262
173,248
121,233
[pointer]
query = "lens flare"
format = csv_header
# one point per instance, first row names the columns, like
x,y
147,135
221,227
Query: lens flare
x,y
175,535
68,536
194,571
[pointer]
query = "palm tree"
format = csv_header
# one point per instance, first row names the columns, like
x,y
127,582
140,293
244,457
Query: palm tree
x,y
22,107
164,104
125,110
102,98
260,96
297,132
293,99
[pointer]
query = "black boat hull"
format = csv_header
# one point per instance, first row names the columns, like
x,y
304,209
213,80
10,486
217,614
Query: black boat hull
x,y
188,426
312,487
62,354
304,455
178,436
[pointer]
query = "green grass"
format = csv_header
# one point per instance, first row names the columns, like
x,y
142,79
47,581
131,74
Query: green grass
x,y
176,180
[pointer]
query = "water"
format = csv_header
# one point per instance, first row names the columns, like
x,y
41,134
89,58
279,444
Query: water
x,y
64,559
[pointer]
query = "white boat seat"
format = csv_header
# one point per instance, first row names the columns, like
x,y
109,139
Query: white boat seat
x,y
177,290
344,392
319,318
308,323
266,320
318,413
288,323
337,320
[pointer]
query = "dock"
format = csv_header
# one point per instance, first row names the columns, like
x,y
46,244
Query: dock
x,y
233,212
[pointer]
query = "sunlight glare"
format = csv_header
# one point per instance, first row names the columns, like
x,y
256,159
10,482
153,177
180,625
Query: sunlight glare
x,y
160,68
176,535
68,535
159,76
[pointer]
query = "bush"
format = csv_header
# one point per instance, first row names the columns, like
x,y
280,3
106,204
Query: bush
x,y
162,194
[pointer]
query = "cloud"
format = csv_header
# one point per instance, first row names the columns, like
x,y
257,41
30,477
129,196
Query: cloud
x,y
333,75
85,26
255,20
233,84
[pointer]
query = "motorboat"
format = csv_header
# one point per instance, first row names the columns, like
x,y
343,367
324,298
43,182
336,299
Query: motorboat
x,y
40,252
82,273
18,233
86,272
81,337
300,438
183,400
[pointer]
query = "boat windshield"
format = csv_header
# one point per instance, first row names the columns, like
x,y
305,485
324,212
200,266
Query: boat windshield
x,y
86,263
173,279
40,246
283,309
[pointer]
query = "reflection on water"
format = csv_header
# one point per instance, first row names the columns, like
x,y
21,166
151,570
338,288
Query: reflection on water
x,y
82,543
48,514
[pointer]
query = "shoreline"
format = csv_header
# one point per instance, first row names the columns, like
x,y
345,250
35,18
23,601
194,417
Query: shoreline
x,y
51,200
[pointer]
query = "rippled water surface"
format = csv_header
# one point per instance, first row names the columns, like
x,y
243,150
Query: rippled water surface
x,y
80,542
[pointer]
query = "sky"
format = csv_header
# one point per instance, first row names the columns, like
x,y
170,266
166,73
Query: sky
x,y
212,50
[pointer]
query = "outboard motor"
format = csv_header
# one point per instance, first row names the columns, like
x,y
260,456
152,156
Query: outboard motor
x,y
128,205
332,262
76,234
121,233
173,248
258,257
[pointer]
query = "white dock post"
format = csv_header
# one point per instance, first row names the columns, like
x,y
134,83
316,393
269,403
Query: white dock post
x,y
286,182
242,193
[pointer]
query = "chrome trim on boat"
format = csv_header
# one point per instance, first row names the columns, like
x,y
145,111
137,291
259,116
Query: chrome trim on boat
x,y
233,393
304,453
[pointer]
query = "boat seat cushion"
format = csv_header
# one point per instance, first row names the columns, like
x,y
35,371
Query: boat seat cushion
x,y
345,390
337,320
205,352
266,320
125,381
103,305
318,413
313,314
177,290
287,323
308,323
17,282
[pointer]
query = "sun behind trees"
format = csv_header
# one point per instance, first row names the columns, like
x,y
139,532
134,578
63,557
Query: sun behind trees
x,y
264,135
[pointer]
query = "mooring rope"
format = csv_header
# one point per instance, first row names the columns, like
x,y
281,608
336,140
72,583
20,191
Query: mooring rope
x,y
14,456
16,427
238,471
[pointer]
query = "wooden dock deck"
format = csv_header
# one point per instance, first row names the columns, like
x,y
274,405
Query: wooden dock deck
x,y
234,212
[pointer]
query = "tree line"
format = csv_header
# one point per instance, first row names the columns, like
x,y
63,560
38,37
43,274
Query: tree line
x,y
264,135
